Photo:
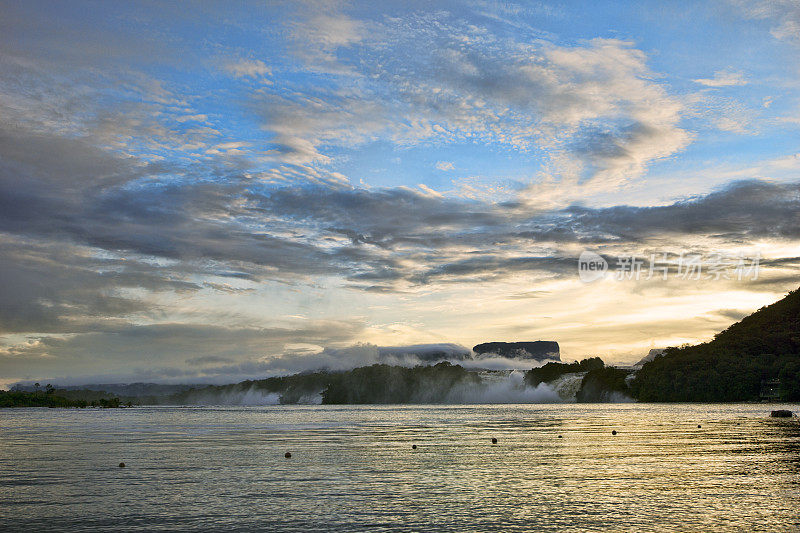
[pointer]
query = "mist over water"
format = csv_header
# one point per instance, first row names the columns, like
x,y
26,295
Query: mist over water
x,y
328,359
502,388
251,397
500,380
495,387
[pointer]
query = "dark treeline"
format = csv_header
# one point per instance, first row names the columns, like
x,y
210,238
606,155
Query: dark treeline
x,y
397,384
290,389
553,371
733,366
387,384
50,398
374,384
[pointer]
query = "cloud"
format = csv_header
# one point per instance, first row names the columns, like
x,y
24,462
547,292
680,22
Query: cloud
x,y
88,217
84,107
784,15
304,124
741,212
208,360
723,78
318,31
428,191
62,288
247,68
159,351
376,236
733,314
445,165
597,101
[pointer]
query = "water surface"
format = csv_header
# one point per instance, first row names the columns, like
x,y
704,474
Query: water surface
x,y
353,468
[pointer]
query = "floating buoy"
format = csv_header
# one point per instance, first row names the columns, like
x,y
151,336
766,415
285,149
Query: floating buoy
x,y
287,455
613,431
560,436
494,440
699,426
122,465
413,446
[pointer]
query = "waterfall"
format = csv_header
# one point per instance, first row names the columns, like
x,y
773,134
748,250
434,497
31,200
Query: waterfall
x,y
568,385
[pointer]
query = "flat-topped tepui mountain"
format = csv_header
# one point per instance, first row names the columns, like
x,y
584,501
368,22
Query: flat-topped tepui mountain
x,y
537,350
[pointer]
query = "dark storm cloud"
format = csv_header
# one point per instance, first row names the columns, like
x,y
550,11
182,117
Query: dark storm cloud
x,y
399,216
491,267
741,211
450,237
59,288
384,217
72,191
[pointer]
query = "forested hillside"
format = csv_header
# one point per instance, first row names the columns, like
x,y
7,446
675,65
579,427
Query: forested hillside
x,y
733,366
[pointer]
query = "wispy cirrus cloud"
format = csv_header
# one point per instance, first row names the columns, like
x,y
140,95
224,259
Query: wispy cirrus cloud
x,y
597,101
783,14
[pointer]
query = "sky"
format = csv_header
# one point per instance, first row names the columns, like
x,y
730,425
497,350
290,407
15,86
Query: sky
x,y
214,191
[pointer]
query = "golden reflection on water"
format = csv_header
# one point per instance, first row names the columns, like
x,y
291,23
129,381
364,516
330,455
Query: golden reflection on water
x,y
353,468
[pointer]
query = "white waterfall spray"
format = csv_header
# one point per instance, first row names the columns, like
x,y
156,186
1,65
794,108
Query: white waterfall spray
x,y
568,385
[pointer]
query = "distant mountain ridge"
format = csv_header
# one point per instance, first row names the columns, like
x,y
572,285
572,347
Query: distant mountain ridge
x,y
134,390
652,354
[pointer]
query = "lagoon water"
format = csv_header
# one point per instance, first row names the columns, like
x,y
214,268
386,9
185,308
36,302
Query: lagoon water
x,y
353,468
